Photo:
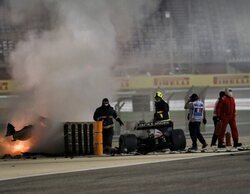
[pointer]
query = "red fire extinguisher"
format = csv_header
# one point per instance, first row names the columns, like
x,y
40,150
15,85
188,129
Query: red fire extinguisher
x,y
228,139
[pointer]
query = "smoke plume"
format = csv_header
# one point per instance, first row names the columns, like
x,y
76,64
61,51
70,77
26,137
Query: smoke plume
x,y
64,72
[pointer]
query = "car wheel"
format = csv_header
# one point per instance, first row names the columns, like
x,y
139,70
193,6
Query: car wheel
x,y
127,143
178,140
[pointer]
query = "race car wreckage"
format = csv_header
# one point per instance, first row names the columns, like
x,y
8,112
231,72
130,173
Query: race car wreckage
x,y
152,137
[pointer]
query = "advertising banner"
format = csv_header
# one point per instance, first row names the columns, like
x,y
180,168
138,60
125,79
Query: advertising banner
x,y
184,81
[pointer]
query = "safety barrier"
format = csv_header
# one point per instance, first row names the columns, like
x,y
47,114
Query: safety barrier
x,y
83,138
98,140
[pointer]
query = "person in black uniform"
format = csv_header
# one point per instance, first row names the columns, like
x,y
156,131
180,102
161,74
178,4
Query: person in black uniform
x,y
106,114
161,108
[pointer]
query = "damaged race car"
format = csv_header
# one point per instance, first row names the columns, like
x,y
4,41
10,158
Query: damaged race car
x,y
27,131
152,137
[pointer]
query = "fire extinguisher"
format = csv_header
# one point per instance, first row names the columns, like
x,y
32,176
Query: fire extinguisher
x,y
228,139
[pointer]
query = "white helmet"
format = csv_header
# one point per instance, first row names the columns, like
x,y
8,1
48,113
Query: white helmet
x,y
229,92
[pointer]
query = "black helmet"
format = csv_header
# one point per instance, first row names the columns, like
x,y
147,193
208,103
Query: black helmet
x,y
105,102
222,93
194,97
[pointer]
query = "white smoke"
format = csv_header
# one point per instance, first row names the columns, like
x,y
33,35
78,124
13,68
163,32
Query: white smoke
x,y
68,68
129,16
130,20
63,73
67,71
21,10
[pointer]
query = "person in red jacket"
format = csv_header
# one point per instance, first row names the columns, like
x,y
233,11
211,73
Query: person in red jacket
x,y
227,115
215,118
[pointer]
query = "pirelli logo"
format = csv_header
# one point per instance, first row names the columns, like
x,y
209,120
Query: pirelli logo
x,y
231,80
171,81
124,83
4,86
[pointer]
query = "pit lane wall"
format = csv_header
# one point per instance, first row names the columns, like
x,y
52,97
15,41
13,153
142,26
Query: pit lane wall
x,y
184,81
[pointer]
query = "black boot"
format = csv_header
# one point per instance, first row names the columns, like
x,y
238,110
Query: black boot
x,y
214,139
237,144
221,145
204,145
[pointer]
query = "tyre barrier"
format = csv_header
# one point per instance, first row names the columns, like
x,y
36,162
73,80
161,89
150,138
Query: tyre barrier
x,y
83,138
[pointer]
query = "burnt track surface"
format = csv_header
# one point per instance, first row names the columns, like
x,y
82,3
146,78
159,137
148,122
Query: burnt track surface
x,y
217,174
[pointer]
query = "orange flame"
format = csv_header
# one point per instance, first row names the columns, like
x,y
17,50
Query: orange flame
x,y
7,146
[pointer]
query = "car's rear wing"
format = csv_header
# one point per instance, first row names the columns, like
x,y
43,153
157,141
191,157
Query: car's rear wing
x,y
142,125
